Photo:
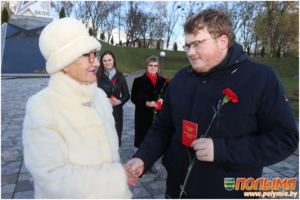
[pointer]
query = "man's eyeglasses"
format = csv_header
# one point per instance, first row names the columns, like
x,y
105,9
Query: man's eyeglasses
x,y
92,56
195,45
152,65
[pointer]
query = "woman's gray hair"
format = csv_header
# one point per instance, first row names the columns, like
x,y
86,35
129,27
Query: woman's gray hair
x,y
152,59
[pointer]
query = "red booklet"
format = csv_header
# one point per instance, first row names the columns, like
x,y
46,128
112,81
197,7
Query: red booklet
x,y
158,105
189,132
113,97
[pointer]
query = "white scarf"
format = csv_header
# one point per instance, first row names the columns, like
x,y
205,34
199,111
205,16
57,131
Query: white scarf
x,y
110,72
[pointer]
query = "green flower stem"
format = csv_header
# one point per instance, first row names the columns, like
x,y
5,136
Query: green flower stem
x,y
225,100
154,116
212,120
113,89
187,176
162,89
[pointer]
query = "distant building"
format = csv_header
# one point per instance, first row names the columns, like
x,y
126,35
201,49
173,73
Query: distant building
x,y
145,43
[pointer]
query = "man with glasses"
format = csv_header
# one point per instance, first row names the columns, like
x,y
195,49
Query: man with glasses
x,y
256,131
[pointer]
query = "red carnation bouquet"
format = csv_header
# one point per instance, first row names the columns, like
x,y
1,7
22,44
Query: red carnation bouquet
x,y
158,103
113,89
229,96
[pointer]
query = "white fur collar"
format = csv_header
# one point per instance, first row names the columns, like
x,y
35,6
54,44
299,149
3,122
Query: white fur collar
x,y
66,86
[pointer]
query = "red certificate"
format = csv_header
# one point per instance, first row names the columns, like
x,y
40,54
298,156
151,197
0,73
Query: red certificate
x,y
158,105
189,132
113,97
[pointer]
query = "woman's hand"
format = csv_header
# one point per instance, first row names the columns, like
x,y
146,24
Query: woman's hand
x,y
151,104
131,180
111,101
161,100
116,102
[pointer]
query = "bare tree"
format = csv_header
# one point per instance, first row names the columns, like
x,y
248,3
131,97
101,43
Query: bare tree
x,y
118,6
172,16
68,5
132,21
97,12
152,28
191,8
109,24
144,27
241,14
232,10
161,29
80,12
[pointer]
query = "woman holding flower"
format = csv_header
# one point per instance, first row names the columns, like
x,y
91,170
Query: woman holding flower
x,y
115,86
147,94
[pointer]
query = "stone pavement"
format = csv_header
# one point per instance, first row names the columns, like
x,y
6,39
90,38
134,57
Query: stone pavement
x,y
130,77
16,181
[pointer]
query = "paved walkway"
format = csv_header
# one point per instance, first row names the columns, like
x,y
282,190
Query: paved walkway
x,y
16,181
130,77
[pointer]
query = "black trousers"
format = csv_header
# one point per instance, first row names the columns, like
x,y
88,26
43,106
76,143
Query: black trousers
x,y
118,116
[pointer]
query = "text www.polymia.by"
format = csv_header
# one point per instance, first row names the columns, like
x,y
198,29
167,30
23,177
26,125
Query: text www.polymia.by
x,y
271,194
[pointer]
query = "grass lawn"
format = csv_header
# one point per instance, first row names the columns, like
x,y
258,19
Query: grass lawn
x,y
133,59
130,60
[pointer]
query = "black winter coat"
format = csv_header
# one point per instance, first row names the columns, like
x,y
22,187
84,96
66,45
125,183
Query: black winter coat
x,y
257,131
142,91
106,85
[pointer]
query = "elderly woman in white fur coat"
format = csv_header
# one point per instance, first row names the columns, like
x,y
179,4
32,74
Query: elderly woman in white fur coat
x,y
69,136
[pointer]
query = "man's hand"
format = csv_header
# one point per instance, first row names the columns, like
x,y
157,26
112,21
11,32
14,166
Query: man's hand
x,y
137,166
131,180
204,148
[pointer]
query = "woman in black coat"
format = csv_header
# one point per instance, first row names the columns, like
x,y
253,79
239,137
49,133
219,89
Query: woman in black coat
x,y
114,84
146,90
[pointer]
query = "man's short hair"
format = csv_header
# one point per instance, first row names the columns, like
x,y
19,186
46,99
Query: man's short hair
x,y
216,22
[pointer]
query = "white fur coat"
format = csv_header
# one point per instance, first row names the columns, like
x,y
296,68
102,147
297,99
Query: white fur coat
x,y
70,149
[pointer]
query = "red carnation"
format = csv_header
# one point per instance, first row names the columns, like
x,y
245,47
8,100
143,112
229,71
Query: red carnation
x,y
168,79
231,95
113,81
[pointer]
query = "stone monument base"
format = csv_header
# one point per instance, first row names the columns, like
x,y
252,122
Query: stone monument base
x,y
20,44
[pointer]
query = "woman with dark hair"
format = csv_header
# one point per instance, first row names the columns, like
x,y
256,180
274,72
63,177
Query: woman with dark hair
x,y
145,94
114,84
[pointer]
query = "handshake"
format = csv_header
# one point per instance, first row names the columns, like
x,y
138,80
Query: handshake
x,y
134,168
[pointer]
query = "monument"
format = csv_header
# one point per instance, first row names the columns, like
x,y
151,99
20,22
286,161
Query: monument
x,y
20,53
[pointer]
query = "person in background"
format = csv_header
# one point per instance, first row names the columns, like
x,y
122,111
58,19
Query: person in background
x,y
146,91
255,130
115,86
69,138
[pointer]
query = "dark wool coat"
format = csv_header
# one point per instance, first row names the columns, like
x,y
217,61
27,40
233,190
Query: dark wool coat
x,y
257,131
142,91
106,85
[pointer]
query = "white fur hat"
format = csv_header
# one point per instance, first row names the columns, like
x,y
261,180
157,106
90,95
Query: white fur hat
x,y
64,41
